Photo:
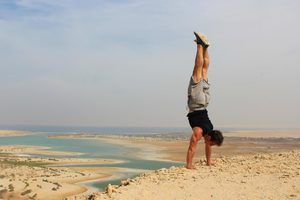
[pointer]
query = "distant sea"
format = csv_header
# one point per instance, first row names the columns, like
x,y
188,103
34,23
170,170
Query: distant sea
x,y
107,130
95,130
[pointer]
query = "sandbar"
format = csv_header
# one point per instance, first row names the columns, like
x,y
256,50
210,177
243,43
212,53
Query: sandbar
x,y
14,133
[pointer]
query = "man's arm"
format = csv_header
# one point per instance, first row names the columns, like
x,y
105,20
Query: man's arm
x,y
208,150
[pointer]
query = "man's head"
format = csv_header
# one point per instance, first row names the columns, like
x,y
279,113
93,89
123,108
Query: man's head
x,y
216,137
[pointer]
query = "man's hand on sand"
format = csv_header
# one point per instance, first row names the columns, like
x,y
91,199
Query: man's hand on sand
x,y
210,163
190,167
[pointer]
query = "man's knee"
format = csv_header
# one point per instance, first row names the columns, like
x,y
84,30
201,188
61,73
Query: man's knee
x,y
194,140
206,61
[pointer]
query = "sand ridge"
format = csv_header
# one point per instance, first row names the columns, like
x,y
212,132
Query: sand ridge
x,y
259,176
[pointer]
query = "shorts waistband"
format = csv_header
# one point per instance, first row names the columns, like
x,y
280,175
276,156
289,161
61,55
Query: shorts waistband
x,y
197,112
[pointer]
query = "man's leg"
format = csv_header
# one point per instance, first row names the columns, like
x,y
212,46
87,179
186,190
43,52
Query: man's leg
x,y
199,62
205,64
197,134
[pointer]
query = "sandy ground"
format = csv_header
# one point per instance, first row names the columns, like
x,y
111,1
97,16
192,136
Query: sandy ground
x,y
243,177
264,134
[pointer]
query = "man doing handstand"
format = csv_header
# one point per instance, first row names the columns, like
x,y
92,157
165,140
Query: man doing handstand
x,y
198,99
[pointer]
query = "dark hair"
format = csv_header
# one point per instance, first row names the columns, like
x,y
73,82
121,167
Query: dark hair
x,y
217,137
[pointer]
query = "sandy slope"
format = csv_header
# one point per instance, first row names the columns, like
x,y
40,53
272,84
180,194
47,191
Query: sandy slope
x,y
260,176
32,178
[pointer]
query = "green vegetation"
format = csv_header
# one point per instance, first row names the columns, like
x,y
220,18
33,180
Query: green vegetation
x,y
26,192
52,159
5,154
58,185
33,197
22,163
82,174
26,184
11,188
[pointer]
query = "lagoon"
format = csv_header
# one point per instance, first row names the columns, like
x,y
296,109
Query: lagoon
x,y
132,163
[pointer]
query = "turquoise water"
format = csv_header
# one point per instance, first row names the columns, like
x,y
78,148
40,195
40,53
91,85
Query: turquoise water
x,y
93,149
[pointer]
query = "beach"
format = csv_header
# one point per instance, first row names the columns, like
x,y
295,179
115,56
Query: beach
x,y
243,168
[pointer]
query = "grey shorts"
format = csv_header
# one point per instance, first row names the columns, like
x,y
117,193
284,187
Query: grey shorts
x,y
198,95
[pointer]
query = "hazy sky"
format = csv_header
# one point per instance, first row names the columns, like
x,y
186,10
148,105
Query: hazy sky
x,y
128,63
